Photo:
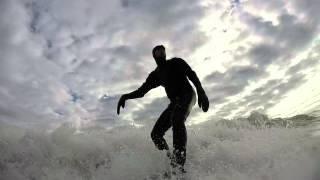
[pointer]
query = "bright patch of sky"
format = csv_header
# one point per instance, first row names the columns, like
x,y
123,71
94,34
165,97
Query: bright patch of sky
x,y
72,60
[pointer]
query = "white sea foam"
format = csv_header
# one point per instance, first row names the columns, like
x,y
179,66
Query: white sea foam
x,y
214,152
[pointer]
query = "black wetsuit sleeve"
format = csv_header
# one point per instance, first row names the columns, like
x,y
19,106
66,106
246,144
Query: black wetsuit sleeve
x,y
191,75
150,83
184,66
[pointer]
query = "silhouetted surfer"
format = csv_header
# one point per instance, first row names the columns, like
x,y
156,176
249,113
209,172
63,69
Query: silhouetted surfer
x,y
172,75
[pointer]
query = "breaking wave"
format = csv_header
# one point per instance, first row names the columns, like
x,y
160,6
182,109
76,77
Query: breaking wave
x,y
254,148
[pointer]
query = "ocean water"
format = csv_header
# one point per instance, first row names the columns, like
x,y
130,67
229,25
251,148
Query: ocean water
x,y
254,148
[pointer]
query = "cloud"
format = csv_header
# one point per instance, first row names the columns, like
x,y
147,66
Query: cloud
x,y
268,94
289,33
27,81
58,58
231,82
150,112
308,7
277,42
264,54
280,42
302,65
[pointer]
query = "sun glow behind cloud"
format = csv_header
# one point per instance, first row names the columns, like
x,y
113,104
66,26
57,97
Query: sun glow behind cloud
x,y
221,34
72,60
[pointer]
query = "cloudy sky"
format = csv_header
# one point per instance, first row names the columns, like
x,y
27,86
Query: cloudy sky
x,y
71,60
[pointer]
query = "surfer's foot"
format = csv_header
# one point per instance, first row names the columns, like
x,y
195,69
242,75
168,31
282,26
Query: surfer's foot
x,y
178,170
169,154
166,175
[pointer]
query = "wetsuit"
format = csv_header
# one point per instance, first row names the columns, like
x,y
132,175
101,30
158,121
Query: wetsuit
x,y
172,75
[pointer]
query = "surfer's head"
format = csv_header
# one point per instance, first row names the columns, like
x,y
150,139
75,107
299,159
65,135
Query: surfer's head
x,y
159,54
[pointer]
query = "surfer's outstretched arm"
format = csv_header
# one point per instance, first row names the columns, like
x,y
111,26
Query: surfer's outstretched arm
x,y
203,101
150,83
195,80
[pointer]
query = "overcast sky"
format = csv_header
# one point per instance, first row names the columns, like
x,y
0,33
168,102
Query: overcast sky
x,y
71,60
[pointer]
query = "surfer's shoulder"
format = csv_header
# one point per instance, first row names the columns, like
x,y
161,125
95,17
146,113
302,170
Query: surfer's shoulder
x,y
176,59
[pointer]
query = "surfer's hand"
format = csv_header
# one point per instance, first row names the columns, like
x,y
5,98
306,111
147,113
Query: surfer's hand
x,y
203,101
121,102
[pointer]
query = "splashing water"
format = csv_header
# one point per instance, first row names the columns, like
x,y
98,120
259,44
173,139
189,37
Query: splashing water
x,y
215,151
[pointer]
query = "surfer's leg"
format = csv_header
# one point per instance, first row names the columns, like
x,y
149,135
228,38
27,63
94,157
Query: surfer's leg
x,y
179,137
180,113
159,129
